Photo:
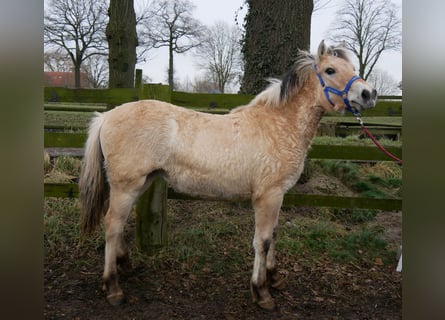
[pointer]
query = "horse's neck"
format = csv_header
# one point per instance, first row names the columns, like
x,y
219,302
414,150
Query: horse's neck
x,y
304,116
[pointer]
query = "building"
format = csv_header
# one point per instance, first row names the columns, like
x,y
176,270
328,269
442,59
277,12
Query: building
x,y
65,79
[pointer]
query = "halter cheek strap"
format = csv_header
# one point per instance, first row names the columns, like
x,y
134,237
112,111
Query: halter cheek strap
x,y
343,94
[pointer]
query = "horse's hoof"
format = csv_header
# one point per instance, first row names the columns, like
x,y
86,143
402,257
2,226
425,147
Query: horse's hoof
x,y
267,304
116,299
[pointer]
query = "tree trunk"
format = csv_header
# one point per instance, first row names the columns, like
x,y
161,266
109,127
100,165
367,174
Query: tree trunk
x,y
170,68
122,42
77,75
275,30
77,64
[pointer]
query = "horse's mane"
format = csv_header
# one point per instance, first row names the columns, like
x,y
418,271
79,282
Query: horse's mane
x,y
278,91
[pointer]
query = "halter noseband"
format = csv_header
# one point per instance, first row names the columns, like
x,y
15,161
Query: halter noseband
x,y
343,94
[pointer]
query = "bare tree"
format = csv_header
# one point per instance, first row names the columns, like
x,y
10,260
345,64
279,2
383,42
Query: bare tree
x,y
144,15
220,54
96,68
172,25
369,29
383,82
57,61
76,27
203,85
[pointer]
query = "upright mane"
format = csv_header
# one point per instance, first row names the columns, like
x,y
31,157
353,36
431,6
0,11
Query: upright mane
x,y
279,90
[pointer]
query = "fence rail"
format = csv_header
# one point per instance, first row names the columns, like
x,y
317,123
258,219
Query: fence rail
x,y
70,190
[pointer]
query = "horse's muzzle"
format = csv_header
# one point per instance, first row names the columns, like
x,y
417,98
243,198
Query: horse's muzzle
x,y
364,98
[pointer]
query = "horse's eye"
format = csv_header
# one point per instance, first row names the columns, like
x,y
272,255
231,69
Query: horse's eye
x,y
330,71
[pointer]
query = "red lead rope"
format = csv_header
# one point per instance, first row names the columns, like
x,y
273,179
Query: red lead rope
x,y
369,134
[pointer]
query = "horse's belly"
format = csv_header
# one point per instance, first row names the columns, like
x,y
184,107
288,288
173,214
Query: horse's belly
x,y
212,187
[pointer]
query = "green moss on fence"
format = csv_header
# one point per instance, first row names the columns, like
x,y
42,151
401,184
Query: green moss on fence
x,y
382,108
156,91
210,100
110,97
114,97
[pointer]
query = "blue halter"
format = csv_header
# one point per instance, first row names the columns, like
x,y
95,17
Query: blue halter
x,y
343,94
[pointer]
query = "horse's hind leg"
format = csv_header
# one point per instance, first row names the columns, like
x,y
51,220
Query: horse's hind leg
x,y
121,203
267,208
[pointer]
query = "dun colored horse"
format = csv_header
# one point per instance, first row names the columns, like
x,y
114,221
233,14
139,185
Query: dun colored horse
x,y
255,152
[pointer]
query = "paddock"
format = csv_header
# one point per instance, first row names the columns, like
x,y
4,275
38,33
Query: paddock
x,y
191,272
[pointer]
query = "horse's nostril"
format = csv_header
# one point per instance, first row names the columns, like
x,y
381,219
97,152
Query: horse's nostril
x,y
366,95
374,94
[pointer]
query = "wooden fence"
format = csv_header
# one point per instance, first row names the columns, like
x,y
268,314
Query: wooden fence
x,y
151,208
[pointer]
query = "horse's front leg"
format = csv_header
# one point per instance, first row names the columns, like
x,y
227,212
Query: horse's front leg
x,y
276,280
267,207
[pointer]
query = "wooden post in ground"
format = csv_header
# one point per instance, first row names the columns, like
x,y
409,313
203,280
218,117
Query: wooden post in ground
x,y
151,209
151,217
138,79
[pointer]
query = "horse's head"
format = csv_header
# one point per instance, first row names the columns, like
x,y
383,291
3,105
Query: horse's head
x,y
341,88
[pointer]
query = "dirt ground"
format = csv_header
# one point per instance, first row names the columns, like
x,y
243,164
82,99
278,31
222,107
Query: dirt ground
x,y
320,290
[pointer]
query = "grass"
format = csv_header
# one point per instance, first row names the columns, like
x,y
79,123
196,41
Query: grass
x,y
70,120
354,140
61,170
381,180
390,120
315,239
211,243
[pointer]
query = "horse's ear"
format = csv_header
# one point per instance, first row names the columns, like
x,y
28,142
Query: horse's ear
x,y
321,49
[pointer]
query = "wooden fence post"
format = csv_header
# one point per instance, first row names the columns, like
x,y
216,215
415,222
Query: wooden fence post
x,y
138,79
151,209
151,218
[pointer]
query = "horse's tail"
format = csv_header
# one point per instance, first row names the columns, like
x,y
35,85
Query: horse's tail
x,y
93,187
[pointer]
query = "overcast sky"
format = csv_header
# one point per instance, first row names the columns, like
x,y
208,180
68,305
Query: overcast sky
x,y
210,11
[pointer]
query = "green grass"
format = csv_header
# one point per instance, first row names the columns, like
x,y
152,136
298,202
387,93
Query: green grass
x,y
312,239
211,240
61,229
365,244
62,169
383,181
353,216
354,140
70,120
390,120
220,246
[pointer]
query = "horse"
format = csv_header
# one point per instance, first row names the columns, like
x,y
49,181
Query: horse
x,y
256,152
